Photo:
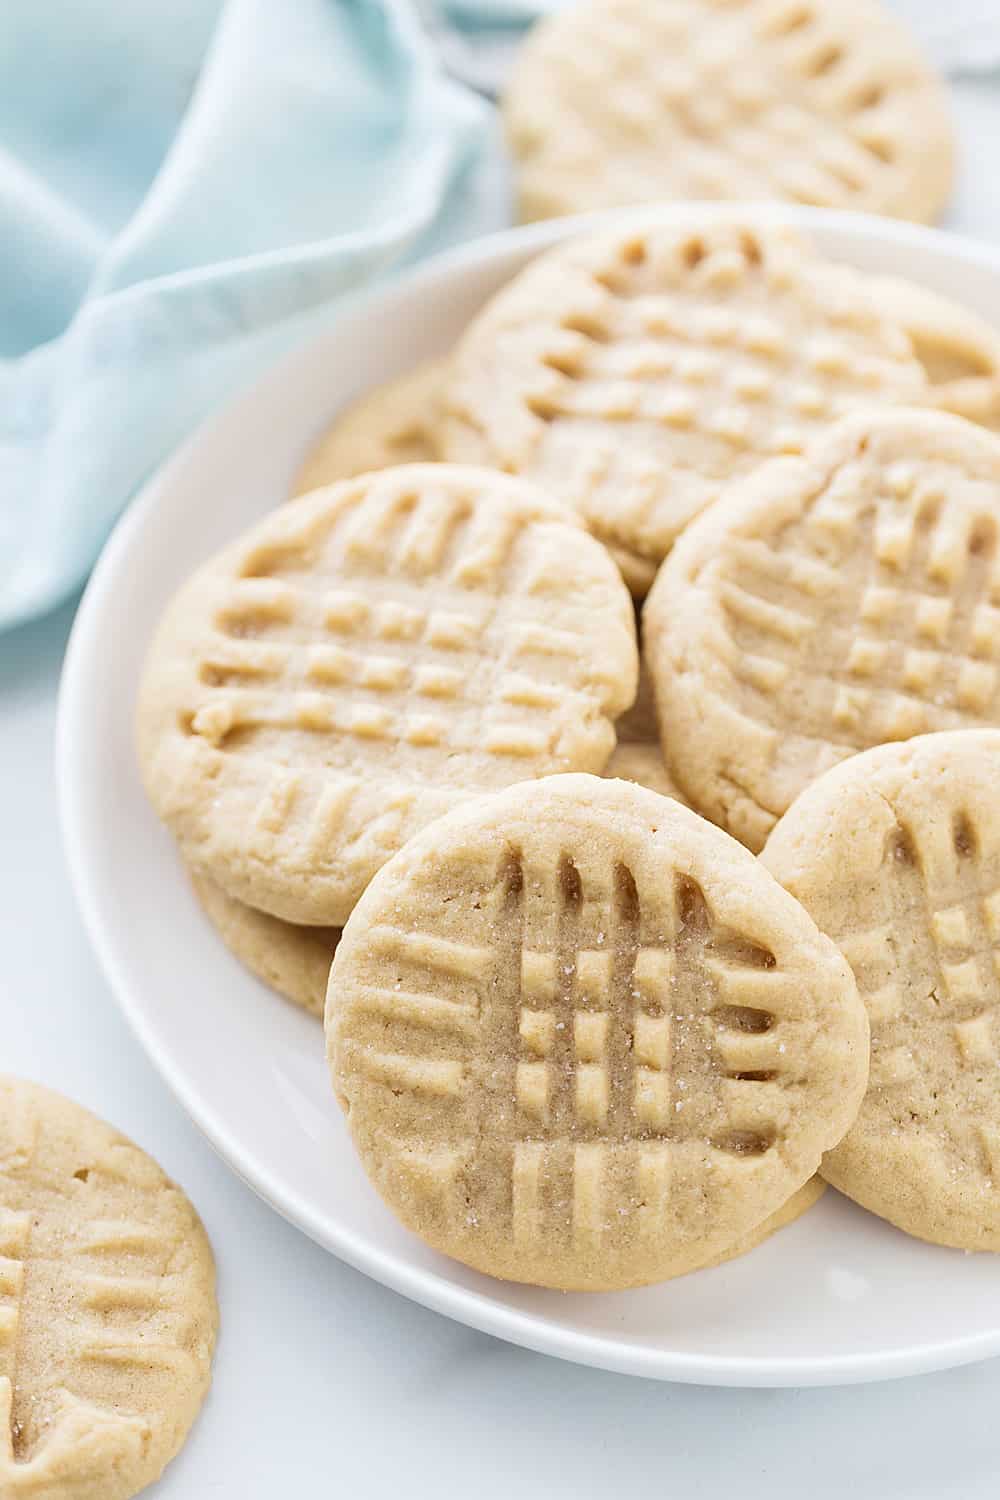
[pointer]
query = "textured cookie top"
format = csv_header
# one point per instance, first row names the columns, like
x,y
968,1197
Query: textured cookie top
x,y
827,605
584,1040
814,101
399,423
107,1305
364,659
395,423
897,856
635,373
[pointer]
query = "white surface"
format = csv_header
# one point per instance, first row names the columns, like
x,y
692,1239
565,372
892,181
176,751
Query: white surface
x,y
325,1382
838,1297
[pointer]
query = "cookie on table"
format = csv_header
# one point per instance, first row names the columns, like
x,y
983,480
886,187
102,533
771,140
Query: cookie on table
x,y
291,959
828,102
395,423
896,854
365,659
826,605
635,373
107,1305
584,1040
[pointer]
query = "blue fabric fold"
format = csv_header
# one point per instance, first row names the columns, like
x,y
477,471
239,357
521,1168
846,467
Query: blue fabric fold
x,y
185,192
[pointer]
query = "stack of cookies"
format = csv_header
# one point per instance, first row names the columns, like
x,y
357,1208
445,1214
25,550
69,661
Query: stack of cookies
x,y
617,950
828,102
583,1035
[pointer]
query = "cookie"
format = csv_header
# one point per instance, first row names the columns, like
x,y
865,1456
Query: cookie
x,y
636,372
827,605
107,1305
959,350
644,765
798,1204
896,854
828,102
584,1040
293,960
366,658
393,424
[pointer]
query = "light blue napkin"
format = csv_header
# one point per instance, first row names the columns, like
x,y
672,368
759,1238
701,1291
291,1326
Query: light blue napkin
x,y
186,190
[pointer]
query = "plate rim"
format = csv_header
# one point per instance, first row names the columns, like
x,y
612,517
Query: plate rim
x,y
473,1308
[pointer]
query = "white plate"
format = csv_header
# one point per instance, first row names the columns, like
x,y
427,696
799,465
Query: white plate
x,y
838,1297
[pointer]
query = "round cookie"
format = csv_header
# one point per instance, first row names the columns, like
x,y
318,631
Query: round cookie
x,y
829,604
959,350
365,659
291,959
636,372
395,423
107,1305
827,102
584,1040
896,854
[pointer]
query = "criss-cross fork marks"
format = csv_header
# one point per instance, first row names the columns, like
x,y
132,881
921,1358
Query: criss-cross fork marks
x,y
432,1014
462,649
117,1304
683,337
571,1018
742,132
599,1024
899,635
637,1028
678,336
945,922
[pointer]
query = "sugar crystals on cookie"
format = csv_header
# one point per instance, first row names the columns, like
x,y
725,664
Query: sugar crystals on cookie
x,y
365,659
896,854
584,1040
